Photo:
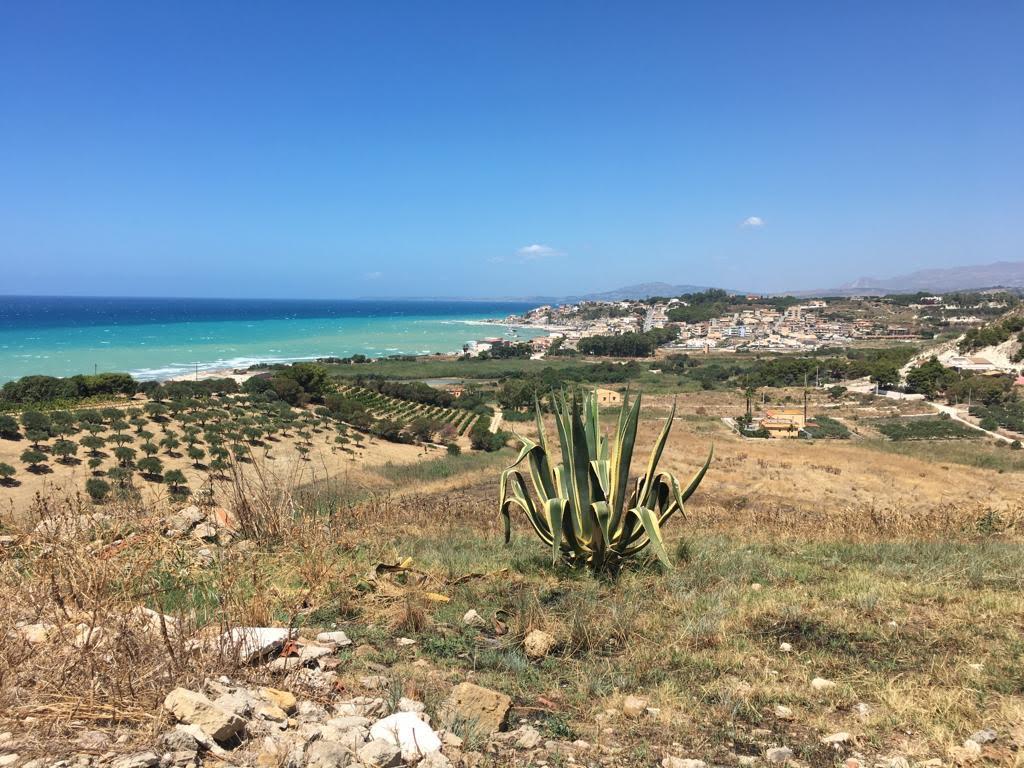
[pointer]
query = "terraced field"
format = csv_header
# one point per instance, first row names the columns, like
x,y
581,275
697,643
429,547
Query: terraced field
x,y
407,411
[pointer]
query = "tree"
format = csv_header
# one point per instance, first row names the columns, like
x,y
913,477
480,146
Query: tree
x,y
929,378
169,443
97,488
151,466
886,375
33,458
94,443
7,473
9,427
196,454
65,449
175,479
453,449
124,455
37,427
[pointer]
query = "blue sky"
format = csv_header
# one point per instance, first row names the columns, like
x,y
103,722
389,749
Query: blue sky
x,y
485,149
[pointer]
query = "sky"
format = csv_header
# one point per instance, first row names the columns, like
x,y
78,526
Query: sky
x,y
478,149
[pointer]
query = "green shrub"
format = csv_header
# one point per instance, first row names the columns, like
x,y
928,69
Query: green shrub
x,y
97,488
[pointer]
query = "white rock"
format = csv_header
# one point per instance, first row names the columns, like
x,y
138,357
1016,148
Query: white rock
x,y
339,638
682,762
778,755
786,647
821,684
404,642
312,652
840,737
473,619
251,643
972,748
983,737
411,705
783,712
406,731
9,759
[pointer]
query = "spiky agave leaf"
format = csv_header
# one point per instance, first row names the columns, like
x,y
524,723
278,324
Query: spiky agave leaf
x,y
586,515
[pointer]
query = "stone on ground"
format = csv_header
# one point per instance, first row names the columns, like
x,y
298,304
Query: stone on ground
x,y
538,644
380,754
485,708
406,731
194,708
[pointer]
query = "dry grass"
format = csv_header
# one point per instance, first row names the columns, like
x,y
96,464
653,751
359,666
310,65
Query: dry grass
x,y
881,574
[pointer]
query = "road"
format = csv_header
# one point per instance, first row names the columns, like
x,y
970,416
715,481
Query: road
x,y
955,416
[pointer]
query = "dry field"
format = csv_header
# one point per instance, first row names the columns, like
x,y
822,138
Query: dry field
x,y
898,578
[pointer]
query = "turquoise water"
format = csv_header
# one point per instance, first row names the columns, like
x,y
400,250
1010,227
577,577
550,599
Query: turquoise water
x,y
61,340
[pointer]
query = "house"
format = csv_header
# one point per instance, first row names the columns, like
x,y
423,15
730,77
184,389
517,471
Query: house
x,y
783,422
608,397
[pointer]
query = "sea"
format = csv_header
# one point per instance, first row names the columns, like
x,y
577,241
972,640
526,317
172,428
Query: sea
x,y
154,338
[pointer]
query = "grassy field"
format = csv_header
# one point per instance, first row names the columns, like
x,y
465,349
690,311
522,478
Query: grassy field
x,y
879,572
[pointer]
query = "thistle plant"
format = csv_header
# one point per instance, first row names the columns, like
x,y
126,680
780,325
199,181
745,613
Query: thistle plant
x,y
587,509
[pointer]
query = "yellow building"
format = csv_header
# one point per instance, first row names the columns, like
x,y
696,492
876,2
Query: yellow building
x,y
608,397
783,422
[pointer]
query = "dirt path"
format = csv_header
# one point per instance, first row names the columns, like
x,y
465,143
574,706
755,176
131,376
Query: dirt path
x,y
955,416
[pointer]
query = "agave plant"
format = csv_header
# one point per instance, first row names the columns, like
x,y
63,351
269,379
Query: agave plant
x,y
587,509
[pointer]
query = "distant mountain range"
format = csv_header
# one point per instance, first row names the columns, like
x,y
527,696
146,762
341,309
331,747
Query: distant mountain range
x,y
1001,274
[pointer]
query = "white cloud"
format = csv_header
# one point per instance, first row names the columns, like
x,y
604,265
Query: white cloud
x,y
752,222
373,275
537,251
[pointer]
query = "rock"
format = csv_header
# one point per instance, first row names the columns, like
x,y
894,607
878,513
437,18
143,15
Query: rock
x,y
404,642
365,650
863,710
380,754
140,760
682,762
783,712
279,698
285,664
634,706
339,638
786,647
9,759
473,619
469,702
411,705
435,760
313,652
362,706
538,644
239,702
327,754
223,518
984,736
840,737
526,737
194,708
94,741
251,643
755,587
271,712
204,531
406,731
35,634
971,748
778,755
821,684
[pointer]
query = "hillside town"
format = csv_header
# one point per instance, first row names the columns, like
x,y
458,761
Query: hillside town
x,y
800,327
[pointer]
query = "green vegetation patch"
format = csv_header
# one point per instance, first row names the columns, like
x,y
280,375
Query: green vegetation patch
x,y
926,428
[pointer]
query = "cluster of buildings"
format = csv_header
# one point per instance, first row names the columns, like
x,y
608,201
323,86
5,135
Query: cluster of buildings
x,y
801,327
